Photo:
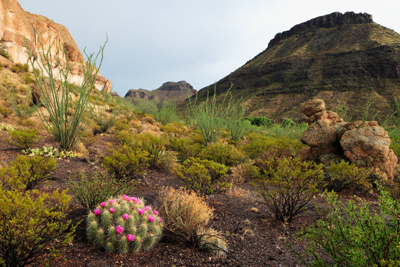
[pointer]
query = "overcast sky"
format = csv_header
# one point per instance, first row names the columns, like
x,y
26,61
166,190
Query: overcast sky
x,y
155,41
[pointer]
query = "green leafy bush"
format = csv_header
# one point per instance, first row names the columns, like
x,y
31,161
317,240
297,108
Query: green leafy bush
x,y
124,224
31,222
353,234
203,176
184,213
288,123
27,172
23,139
222,153
127,163
186,148
287,186
344,175
18,68
260,121
165,113
96,188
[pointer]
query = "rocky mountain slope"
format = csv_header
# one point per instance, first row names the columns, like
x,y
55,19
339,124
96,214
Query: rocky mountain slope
x,y
172,91
337,57
15,24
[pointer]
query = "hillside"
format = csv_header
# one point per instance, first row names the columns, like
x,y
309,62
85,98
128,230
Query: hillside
x,y
345,57
172,91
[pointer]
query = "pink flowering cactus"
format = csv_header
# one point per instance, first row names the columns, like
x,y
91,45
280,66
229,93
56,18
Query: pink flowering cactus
x,y
112,210
119,229
141,211
137,201
130,238
151,219
125,216
112,201
103,204
147,208
155,212
126,198
97,212
159,219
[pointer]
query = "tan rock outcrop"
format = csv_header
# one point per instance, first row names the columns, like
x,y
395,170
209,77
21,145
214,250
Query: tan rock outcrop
x,y
329,138
15,24
107,87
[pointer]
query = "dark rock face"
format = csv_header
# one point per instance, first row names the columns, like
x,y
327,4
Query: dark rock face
x,y
327,21
139,94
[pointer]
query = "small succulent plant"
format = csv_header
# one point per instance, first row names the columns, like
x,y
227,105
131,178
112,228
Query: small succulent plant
x,y
8,127
50,152
212,241
124,224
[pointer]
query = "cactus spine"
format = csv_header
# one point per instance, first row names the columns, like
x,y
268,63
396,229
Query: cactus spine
x,y
124,225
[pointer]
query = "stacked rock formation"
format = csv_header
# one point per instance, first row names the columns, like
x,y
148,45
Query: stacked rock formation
x,y
331,139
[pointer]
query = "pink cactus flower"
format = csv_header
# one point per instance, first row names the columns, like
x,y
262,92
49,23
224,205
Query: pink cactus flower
x,y
97,212
112,210
103,204
119,229
151,219
125,216
159,219
112,201
137,201
146,208
130,238
155,212
126,197
141,211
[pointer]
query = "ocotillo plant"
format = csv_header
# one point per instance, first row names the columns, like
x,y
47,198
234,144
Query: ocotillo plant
x,y
124,224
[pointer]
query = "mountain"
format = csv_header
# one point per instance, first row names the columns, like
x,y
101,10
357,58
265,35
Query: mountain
x,y
172,91
338,57
15,24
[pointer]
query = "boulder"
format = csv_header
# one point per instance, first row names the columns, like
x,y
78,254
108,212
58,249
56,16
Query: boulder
x,y
368,146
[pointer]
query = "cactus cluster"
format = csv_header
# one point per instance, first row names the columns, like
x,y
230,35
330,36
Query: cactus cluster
x,y
212,241
124,224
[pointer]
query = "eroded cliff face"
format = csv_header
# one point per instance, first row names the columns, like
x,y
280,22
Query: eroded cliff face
x,y
15,24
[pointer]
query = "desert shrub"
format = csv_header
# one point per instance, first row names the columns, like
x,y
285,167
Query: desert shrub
x,y
287,186
121,126
222,153
18,68
175,129
127,163
167,161
212,241
27,172
5,112
28,123
144,106
259,144
186,148
23,139
353,234
344,175
153,145
28,79
235,124
165,113
101,116
31,222
3,49
69,117
93,189
184,213
203,176
260,121
303,125
288,123
88,138
124,224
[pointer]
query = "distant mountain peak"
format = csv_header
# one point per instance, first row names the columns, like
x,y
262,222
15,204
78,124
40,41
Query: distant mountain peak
x,y
327,21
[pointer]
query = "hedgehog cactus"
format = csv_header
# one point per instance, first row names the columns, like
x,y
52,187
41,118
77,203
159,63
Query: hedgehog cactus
x,y
124,224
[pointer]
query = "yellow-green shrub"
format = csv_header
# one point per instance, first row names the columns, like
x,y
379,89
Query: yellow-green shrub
x,y
127,163
175,129
222,153
344,175
88,138
23,139
186,148
184,213
29,223
5,112
26,172
203,176
287,186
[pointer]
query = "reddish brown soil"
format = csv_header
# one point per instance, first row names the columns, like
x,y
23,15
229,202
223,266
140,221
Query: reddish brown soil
x,y
255,238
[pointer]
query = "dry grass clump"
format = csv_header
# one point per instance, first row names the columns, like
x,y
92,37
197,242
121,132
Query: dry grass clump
x,y
184,212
